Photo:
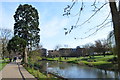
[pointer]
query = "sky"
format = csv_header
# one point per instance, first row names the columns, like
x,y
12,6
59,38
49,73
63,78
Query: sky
x,y
52,22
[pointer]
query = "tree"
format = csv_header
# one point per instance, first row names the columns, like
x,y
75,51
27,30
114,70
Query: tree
x,y
5,35
17,45
116,25
27,25
111,41
101,46
115,12
89,49
57,47
34,56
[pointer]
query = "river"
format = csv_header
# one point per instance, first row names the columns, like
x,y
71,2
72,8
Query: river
x,y
69,70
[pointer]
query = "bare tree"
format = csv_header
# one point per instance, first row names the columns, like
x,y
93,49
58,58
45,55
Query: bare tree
x,y
88,49
115,12
111,42
111,39
57,47
40,46
101,46
5,35
116,25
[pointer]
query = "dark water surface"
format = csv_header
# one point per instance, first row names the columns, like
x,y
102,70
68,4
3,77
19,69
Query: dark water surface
x,y
68,70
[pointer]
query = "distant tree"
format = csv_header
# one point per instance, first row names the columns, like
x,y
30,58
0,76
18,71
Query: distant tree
x,y
5,35
40,46
98,46
111,41
27,25
89,49
77,47
57,47
77,52
17,45
34,56
101,46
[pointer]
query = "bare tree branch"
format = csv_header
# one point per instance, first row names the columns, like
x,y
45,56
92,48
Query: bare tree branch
x,y
80,13
68,9
5,33
95,31
94,5
92,15
99,24
76,24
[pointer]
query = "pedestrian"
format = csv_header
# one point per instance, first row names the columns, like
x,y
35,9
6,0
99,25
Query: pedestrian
x,y
10,59
14,60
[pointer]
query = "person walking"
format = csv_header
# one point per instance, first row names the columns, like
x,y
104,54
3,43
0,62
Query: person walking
x,y
14,60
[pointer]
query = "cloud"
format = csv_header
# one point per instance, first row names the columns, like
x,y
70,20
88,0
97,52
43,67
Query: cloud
x,y
52,27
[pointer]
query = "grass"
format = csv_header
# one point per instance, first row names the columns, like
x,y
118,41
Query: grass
x,y
35,73
3,64
96,61
72,61
97,58
40,76
63,59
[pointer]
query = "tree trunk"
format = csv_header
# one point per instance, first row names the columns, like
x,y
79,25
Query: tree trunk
x,y
3,49
25,56
116,26
104,54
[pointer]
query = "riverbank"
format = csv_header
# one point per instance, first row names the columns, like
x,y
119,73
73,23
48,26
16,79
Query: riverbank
x,y
35,71
107,63
70,70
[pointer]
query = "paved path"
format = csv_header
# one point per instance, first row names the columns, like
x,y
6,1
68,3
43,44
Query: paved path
x,y
12,70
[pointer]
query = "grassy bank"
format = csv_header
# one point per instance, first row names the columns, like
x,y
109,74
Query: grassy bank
x,y
96,61
35,73
40,76
97,58
3,64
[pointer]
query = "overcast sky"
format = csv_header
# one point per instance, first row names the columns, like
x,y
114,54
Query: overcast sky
x,y
52,23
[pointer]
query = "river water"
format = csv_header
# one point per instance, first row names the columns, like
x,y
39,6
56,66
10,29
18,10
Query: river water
x,y
68,70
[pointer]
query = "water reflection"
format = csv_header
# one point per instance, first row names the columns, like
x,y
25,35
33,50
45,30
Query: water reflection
x,y
68,70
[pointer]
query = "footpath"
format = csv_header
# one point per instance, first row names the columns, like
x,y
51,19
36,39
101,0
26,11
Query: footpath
x,y
14,71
